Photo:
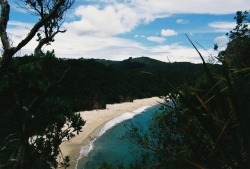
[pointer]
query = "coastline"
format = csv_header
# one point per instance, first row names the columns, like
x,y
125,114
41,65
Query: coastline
x,y
95,120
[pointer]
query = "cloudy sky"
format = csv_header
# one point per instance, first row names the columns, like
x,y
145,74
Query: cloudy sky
x,y
119,29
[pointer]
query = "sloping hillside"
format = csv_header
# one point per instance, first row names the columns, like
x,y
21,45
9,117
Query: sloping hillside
x,y
91,84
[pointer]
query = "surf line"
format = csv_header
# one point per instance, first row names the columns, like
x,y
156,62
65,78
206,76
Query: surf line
x,y
86,149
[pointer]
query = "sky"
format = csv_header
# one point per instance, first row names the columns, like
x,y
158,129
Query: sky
x,y
119,29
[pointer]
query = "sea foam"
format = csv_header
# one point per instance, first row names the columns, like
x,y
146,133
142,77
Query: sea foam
x,y
85,150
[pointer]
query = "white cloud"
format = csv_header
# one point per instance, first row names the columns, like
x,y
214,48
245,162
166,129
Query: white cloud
x,y
71,45
177,53
156,39
168,32
20,24
112,48
92,46
92,32
221,41
120,49
161,7
17,31
182,21
103,22
115,17
222,26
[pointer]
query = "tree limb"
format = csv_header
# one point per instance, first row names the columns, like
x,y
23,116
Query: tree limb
x,y
10,51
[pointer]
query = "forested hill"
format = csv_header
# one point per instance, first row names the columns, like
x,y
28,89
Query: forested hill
x,y
91,84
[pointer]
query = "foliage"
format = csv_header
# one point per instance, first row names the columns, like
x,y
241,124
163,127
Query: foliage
x,y
42,9
88,84
48,11
241,30
91,84
33,123
31,118
106,165
205,125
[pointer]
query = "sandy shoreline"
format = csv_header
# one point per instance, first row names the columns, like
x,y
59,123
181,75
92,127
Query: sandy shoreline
x,y
95,119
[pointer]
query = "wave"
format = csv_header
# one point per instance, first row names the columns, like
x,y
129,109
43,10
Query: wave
x,y
85,150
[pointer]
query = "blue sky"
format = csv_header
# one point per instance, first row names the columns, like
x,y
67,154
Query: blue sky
x,y
119,29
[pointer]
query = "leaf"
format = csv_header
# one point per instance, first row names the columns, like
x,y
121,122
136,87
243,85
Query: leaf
x,y
201,102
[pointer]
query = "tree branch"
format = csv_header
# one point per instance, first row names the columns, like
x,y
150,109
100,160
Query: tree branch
x,y
4,18
39,24
10,51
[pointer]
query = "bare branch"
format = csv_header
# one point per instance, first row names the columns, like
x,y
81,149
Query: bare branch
x,y
41,23
55,11
7,141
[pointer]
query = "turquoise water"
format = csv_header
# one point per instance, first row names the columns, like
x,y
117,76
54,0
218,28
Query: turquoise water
x,y
110,148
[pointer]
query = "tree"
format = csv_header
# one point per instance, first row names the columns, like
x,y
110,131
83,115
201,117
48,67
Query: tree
x,y
50,13
33,123
206,125
53,26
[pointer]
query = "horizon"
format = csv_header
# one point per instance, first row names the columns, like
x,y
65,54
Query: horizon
x,y
136,28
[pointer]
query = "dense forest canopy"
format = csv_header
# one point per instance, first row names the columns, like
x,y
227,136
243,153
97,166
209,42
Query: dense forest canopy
x,y
204,125
33,123
91,84
207,125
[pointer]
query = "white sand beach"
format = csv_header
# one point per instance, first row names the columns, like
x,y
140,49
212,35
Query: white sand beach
x,y
95,119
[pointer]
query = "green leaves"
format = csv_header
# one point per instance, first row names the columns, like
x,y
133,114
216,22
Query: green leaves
x,y
241,30
39,119
205,125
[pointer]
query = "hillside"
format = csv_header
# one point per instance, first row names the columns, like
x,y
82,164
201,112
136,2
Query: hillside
x,y
91,84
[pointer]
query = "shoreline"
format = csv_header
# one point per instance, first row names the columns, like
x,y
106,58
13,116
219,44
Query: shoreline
x,y
95,120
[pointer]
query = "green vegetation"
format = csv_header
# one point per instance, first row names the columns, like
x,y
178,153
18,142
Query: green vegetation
x,y
205,125
40,95
91,84
33,123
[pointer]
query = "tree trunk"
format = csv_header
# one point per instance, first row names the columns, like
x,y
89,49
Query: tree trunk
x,y
38,49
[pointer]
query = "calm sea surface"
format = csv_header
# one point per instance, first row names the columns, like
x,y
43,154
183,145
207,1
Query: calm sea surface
x,y
110,148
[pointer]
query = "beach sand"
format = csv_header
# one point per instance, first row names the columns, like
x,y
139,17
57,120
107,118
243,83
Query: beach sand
x,y
95,119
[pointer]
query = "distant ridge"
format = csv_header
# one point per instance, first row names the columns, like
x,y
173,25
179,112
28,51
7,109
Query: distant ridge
x,y
93,83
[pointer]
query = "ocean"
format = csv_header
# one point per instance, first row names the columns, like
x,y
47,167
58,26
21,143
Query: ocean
x,y
108,147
